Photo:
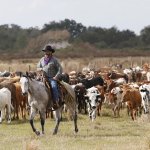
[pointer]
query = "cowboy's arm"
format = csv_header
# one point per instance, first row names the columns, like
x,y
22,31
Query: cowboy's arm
x,y
59,68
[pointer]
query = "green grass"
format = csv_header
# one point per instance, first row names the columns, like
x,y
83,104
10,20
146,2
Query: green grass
x,y
106,133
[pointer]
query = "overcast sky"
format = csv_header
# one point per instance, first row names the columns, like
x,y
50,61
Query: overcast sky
x,y
124,14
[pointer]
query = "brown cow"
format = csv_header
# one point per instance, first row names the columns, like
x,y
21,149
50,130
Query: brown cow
x,y
133,98
21,101
114,75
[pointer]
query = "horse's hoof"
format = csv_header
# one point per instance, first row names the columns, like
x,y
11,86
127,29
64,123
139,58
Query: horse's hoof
x,y
54,133
76,130
9,122
43,133
37,133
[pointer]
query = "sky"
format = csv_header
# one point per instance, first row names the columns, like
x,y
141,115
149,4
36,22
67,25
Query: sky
x,y
123,14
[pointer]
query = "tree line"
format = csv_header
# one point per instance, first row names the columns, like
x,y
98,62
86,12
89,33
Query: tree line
x,y
15,38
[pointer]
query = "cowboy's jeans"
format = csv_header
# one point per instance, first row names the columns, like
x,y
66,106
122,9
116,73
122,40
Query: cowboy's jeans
x,y
55,91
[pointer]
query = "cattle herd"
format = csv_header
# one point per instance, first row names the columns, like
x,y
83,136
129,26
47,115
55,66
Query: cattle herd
x,y
129,88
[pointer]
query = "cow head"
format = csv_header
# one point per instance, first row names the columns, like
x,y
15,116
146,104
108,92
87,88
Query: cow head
x,y
125,96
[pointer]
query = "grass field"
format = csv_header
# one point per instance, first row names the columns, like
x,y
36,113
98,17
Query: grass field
x,y
106,133
76,64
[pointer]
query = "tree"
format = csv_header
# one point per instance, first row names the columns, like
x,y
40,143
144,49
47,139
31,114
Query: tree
x,y
145,35
75,29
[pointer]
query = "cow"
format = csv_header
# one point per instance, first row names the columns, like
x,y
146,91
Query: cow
x,y
145,94
133,98
129,73
116,103
5,101
92,82
80,91
93,99
114,75
8,84
114,83
21,101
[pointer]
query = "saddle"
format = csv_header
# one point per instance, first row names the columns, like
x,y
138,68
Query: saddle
x,y
61,85
53,103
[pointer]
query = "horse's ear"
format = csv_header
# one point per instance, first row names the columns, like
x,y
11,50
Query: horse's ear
x,y
20,74
27,74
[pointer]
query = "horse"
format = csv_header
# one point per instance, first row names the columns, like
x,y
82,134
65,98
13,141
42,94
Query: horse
x,y
38,99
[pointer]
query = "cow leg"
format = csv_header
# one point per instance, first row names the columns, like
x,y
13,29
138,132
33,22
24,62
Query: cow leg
x,y
8,114
115,109
93,115
21,107
133,114
118,110
17,110
99,109
85,107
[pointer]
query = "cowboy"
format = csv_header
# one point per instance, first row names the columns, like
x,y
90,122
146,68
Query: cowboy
x,y
52,68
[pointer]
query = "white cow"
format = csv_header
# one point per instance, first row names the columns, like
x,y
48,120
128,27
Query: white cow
x,y
5,101
129,73
145,94
92,98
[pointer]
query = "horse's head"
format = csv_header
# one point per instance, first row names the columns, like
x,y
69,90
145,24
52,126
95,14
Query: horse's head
x,y
24,85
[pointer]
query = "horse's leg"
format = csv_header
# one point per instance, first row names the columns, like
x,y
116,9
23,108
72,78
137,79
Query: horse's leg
x,y
72,109
42,117
75,121
57,115
32,115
